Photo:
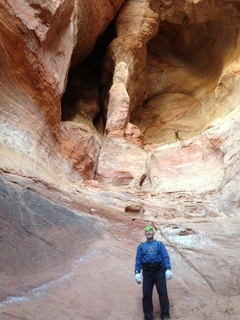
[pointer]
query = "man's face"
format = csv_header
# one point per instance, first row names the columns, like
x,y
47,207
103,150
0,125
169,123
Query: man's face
x,y
149,234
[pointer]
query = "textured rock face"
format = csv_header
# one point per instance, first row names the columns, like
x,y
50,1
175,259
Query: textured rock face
x,y
113,115
60,261
37,44
81,148
183,64
36,47
162,72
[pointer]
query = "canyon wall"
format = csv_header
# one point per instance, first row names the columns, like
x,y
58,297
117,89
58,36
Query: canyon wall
x,y
116,114
135,93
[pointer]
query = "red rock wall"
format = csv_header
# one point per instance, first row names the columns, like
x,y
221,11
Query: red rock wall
x,y
170,73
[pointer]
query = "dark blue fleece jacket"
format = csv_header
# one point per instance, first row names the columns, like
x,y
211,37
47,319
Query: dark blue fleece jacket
x,y
148,252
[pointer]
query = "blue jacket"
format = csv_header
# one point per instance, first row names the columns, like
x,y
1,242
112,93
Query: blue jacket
x,y
148,252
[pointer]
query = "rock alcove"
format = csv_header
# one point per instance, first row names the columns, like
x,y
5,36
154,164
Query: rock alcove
x,y
187,71
154,78
115,114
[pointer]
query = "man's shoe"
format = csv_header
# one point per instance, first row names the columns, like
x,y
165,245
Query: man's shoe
x,y
165,318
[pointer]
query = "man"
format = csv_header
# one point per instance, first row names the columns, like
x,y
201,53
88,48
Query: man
x,y
152,257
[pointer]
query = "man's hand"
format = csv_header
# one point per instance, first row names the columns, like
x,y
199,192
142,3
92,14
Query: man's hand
x,y
138,278
168,274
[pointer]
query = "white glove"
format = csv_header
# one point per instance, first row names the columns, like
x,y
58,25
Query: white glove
x,y
138,278
168,274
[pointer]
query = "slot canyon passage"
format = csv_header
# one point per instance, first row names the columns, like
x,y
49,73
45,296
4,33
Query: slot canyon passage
x,y
115,115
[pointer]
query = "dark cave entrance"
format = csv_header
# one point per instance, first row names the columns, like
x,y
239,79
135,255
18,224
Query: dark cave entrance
x,y
82,98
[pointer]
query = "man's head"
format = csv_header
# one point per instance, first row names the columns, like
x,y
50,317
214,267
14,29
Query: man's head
x,y
149,233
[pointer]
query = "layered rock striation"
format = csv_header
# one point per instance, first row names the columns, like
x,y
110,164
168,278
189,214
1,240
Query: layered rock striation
x,y
115,114
138,77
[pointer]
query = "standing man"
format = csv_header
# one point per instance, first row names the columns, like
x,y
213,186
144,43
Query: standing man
x,y
152,257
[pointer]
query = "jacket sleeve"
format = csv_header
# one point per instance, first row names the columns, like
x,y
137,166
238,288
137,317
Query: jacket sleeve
x,y
138,262
165,257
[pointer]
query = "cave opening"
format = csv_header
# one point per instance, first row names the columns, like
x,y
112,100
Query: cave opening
x,y
81,101
185,64
188,68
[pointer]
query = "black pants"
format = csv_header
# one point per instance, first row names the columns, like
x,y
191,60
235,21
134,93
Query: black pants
x,y
154,276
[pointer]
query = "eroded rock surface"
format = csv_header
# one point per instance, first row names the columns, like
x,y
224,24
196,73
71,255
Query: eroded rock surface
x,y
114,115
150,72
69,254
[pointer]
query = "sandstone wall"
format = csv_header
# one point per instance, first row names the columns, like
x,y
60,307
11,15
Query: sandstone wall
x,y
127,93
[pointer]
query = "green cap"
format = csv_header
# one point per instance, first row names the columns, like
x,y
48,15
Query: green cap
x,y
149,228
